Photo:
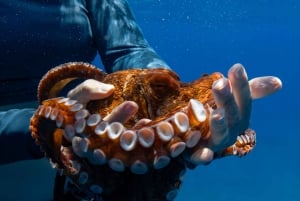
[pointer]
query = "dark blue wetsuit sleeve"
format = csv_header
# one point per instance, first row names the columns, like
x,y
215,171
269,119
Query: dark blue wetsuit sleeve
x,y
16,142
119,39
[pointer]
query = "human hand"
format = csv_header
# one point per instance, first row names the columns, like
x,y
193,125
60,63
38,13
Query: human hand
x,y
95,90
91,90
233,97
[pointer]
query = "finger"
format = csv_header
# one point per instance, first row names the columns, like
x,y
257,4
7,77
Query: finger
x,y
264,86
219,130
122,112
224,99
241,92
91,90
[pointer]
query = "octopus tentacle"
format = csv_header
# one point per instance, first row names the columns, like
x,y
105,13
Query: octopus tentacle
x,y
244,144
57,78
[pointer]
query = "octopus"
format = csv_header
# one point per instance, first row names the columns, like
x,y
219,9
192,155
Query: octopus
x,y
101,160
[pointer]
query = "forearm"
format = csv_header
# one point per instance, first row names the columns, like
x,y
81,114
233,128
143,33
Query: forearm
x,y
16,142
118,37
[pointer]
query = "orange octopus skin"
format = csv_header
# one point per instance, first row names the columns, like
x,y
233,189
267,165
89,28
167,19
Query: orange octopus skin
x,y
80,143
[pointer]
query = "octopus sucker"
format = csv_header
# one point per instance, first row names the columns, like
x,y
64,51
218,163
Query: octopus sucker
x,y
192,138
80,146
116,164
83,178
79,125
171,195
76,107
69,132
199,156
96,189
161,157
181,122
139,167
101,128
98,157
93,120
85,145
164,131
196,111
81,114
176,148
128,140
115,130
146,137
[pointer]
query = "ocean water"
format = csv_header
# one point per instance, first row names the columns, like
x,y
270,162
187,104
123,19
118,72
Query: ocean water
x,y
264,35
203,36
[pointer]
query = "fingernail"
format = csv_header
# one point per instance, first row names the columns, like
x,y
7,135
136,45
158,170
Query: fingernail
x,y
219,84
107,87
130,107
239,71
222,86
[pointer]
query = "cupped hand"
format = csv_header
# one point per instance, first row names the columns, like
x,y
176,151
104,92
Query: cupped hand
x,y
233,97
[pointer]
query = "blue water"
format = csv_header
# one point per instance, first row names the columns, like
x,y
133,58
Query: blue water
x,y
203,36
196,36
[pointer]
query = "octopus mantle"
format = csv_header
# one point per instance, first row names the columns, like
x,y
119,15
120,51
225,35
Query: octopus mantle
x,y
79,142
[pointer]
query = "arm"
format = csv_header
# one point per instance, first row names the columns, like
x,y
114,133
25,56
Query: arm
x,y
119,39
16,142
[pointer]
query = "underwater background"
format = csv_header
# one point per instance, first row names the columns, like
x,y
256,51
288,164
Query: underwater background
x,y
203,36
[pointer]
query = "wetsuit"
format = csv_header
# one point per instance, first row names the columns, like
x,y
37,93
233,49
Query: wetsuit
x,y
37,35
